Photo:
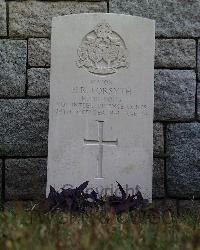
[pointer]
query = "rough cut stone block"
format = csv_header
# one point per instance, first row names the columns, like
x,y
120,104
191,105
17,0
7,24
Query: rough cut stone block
x,y
175,95
25,179
173,18
198,100
3,28
39,52
175,53
158,138
33,18
158,178
13,55
183,162
0,181
38,82
189,206
198,60
24,127
166,205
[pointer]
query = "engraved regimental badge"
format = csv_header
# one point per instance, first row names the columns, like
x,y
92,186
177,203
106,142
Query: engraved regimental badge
x,y
102,51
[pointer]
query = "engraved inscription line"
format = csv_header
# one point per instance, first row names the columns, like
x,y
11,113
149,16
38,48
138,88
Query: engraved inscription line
x,y
100,142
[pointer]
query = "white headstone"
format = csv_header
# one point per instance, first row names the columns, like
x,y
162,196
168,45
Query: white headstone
x,y
101,102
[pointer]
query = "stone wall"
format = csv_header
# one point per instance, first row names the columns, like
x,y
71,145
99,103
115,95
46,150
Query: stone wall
x,y
24,94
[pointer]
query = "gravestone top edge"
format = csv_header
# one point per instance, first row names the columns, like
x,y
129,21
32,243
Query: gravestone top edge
x,y
54,19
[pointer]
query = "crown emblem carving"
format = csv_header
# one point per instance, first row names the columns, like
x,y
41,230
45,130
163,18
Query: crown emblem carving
x,y
102,51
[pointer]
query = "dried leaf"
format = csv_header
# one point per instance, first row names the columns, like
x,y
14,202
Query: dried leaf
x,y
121,190
83,186
76,200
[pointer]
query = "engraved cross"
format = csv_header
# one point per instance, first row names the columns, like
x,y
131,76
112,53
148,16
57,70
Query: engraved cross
x,y
100,142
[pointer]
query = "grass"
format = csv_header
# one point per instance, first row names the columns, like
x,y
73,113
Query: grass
x,y
23,230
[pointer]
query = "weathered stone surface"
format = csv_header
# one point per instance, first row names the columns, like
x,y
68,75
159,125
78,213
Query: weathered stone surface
x,y
166,205
94,131
174,95
33,18
198,100
25,179
158,139
198,60
158,178
0,181
23,127
175,53
38,82
189,206
183,161
13,55
39,52
173,17
3,28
